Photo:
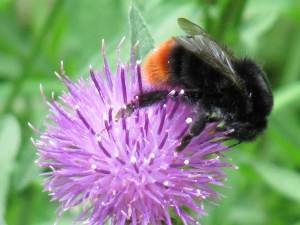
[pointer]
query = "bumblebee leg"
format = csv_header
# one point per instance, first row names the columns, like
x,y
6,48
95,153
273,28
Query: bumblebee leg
x,y
142,100
196,128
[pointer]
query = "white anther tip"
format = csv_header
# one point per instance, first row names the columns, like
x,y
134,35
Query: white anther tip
x,y
166,183
133,159
172,92
186,162
189,120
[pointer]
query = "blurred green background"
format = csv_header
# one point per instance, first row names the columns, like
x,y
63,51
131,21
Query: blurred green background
x,y
36,34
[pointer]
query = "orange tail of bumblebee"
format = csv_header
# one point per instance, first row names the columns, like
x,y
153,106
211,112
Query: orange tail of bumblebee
x,y
156,68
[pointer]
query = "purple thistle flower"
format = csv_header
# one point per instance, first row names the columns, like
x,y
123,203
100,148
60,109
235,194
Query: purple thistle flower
x,y
126,172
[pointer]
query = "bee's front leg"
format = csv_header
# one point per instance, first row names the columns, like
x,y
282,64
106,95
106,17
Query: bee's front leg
x,y
196,128
140,101
126,111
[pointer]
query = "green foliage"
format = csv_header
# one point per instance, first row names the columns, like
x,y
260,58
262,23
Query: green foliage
x,y
286,96
10,137
36,34
281,179
139,32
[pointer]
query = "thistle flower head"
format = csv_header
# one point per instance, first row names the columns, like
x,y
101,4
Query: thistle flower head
x,y
126,172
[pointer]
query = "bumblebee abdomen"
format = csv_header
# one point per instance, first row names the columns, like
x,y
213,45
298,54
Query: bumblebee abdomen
x,y
156,65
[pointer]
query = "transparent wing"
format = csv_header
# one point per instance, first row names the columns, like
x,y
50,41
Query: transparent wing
x,y
189,27
202,45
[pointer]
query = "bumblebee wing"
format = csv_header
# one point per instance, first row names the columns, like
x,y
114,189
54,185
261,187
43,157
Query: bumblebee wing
x,y
202,45
189,27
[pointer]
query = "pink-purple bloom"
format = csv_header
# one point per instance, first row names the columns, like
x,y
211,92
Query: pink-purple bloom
x,y
126,172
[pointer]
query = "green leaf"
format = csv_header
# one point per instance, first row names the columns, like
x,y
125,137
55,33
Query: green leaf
x,y
9,67
89,25
10,139
286,96
139,32
259,17
157,17
292,67
284,138
283,180
247,214
26,170
4,3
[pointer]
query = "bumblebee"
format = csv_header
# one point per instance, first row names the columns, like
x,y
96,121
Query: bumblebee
x,y
197,70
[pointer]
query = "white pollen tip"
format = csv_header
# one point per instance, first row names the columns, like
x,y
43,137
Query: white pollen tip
x,y
30,125
62,67
164,105
181,92
121,43
33,128
172,92
98,137
41,89
133,159
93,166
186,162
152,155
57,75
90,67
136,44
76,106
103,47
138,62
189,120
166,183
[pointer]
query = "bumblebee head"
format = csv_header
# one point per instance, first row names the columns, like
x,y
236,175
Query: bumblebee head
x,y
257,84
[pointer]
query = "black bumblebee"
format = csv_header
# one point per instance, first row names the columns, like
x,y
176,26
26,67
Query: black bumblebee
x,y
197,70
